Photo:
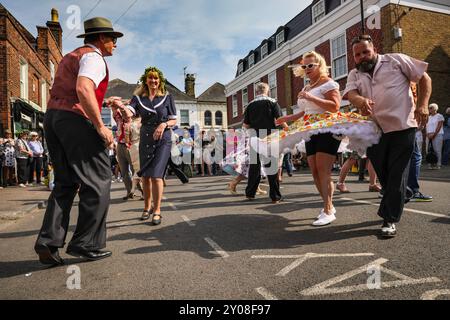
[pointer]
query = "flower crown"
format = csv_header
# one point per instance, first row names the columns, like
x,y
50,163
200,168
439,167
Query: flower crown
x,y
162,80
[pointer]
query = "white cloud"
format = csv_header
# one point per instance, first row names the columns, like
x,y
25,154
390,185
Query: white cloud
x,y
207,36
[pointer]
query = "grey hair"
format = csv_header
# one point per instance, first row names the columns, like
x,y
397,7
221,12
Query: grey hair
x,y
262,88
434,106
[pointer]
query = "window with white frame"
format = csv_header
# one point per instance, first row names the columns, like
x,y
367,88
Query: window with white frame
x,y
339,56
318,11
273,85
244,97
235,106
23,79
184,118
264,50
251,60
240,68
280,38
43,95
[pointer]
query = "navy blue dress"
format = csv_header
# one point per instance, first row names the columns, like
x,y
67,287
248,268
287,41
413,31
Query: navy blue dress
x,y
154,155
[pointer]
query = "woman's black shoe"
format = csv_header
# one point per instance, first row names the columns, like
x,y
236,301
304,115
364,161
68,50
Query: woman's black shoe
x,y
156,222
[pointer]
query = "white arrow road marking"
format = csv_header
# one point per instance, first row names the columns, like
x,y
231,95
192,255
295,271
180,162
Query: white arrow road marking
x,y
405,209
266,293
303,257
323,288
217,248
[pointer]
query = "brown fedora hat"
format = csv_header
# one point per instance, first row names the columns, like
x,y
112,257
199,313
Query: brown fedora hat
x,y
99,25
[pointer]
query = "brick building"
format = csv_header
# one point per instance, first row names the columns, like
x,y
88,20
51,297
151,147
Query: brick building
x,y
27,70
417,28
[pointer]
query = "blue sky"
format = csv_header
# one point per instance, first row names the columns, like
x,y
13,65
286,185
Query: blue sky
x,y
207,36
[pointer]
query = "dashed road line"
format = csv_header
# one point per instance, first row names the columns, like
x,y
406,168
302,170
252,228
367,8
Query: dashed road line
x,y
217,248
433,294
188,221
405,209
266,293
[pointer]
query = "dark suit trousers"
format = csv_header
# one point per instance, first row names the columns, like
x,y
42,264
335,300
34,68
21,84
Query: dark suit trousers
x,y
390,159
81,165
254,178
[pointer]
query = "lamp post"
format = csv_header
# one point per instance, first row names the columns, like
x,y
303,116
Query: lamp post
x,y
363,29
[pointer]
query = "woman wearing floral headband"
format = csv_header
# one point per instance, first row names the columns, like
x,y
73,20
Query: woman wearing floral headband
x,y
158,113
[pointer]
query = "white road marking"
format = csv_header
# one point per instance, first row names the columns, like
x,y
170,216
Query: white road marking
x,y
405,209
266,293
323,288
188,221
217,248
303,257
172,206
433,294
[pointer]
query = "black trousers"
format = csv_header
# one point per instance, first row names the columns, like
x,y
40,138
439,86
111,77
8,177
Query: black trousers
x,y
23,170
254,178
177,170
35,167
390,159
81,165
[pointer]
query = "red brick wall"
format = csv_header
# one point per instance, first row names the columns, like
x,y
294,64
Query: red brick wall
x,y
14,45
296,83
324,50
265,79
281,88
251,92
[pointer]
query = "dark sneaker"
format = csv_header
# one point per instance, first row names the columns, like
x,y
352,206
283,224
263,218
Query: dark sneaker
x,y
388,230
419,197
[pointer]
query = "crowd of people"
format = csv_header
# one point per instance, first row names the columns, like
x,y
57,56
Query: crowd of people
x,y
24,161
380,137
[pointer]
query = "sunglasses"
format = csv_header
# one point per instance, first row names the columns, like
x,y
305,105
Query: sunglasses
x,y
309,66
360,38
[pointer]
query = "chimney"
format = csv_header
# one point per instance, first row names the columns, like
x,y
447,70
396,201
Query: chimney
x,y
189,85
55,27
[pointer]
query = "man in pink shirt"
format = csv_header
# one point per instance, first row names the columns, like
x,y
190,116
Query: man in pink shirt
x,y
380,88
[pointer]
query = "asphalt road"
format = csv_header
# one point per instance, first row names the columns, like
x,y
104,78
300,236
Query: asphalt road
x,y
212,245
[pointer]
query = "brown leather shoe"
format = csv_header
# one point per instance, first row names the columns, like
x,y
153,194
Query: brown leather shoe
x,y
374,188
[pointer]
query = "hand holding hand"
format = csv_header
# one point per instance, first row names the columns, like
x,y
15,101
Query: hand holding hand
x,y
107,136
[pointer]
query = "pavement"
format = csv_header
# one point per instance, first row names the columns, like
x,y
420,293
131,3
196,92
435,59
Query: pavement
x,y
213,245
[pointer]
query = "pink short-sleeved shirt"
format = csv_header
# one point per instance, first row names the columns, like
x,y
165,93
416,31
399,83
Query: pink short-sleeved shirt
x,y
389,89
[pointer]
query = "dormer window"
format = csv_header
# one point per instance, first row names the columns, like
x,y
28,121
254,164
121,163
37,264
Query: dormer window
x,y
264,50
251,60
318,11
280,38
240,68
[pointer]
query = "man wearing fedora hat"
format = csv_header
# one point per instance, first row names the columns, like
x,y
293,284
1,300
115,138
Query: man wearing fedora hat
x,y
77,142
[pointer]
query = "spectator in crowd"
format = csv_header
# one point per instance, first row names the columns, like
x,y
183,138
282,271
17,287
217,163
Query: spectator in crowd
x,y
23,157
435,133
36,160
9,160
446,151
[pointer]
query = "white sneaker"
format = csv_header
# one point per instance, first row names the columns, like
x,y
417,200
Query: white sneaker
x,y
322,213
324,220
22,185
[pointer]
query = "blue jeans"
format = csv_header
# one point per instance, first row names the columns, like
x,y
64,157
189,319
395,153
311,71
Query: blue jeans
x,y
287,162
414,168
446,152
